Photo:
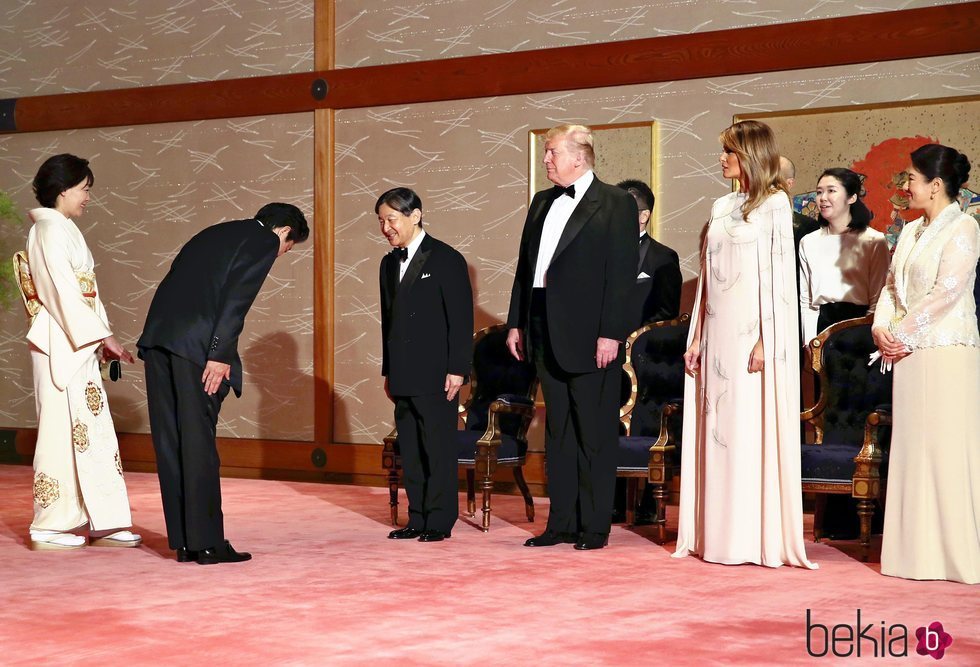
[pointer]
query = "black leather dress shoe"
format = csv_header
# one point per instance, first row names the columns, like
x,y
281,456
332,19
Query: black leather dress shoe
x,y
549,539
185,555
223,554
588,541
433,536
405,533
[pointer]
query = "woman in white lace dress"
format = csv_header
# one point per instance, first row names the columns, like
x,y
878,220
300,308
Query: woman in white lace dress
x,y
926,326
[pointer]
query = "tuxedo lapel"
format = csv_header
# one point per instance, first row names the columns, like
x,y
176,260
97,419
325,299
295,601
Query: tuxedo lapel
x,y
585,210
645,243
413,271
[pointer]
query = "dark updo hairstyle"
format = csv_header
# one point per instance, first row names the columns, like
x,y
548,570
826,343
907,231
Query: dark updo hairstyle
x,y
860,213
403,200
938,161
57,174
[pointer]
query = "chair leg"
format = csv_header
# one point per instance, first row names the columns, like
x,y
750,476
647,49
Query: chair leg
x,y
526,492
866,509
393,494
470,493
486,485
660,501
819,509
631,485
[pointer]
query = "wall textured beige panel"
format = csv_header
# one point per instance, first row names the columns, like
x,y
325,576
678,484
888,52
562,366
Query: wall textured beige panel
x,y
155,187
378,32
49,47
468,160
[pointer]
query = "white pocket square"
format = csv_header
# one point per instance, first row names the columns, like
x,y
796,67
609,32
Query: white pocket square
x,y
643,274
425,275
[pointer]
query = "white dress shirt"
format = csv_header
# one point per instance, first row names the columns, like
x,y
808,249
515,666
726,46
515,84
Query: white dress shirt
x,y
554,224
412,248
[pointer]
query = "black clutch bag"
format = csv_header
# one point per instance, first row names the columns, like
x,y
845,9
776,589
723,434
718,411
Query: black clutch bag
x,y
111,370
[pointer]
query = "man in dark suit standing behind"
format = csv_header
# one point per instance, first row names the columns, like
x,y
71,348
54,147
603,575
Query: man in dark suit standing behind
x,y
190,349
569,313
656,294
427,334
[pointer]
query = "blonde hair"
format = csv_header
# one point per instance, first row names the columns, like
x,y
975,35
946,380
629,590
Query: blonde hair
x,y
758,159
578,137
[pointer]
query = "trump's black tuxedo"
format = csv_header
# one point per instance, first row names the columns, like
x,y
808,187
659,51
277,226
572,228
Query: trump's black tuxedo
x,y
657,295
589,280
196,316
427,333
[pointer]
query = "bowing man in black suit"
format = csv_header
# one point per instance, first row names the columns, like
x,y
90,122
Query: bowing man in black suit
x,y
569,313
427,334
656,294
190,349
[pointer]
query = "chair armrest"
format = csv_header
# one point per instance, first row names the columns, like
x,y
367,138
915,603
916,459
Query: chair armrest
x,y
508,404
515,399
870,449
665,439
388,451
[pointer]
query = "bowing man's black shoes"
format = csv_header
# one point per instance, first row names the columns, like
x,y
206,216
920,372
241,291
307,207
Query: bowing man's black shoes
x,y
185,555
222,554
405,533
587,541
550,538
433,536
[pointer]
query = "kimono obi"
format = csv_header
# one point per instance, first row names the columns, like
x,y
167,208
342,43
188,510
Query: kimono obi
x,y
22,269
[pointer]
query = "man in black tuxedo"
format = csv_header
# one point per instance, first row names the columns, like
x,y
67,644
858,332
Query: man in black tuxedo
x,y
190,349
427,348
656,294
570,314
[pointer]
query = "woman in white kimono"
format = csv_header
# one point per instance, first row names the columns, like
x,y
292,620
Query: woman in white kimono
x,y
78,478
741,499
926,327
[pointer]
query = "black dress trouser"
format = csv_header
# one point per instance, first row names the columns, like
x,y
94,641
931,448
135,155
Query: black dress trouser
x,y
183,422
427,443
581,434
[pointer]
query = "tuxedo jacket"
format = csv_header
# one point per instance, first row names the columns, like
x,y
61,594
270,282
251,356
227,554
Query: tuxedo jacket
x,y
426,319
199,308
589,279
657,294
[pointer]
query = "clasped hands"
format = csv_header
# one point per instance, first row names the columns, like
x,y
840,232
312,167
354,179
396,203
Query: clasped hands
x,y
891,348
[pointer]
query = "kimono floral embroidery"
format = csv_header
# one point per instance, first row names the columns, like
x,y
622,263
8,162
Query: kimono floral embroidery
x,y
79,436
46,489
93,398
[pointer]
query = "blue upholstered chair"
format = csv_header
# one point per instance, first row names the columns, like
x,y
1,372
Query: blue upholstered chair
x,y
651,412
850,419
495,417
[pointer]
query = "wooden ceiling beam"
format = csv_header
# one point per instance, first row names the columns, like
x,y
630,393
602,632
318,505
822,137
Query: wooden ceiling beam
x,y
897,35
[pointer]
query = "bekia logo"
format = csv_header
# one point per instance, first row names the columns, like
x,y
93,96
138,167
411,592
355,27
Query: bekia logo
x,y
933,641
876,640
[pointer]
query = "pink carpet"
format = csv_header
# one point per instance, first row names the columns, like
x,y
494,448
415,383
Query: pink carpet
x,y
326,587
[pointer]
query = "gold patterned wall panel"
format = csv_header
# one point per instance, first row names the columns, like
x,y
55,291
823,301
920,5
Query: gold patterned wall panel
x,y
49,47
377,32
155,187
468,160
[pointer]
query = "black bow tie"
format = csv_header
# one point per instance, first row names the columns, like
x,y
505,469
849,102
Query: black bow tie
x,y
559,191
400,253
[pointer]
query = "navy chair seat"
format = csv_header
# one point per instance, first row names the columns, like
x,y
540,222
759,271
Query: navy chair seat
x,y
634,453
832,463
509,451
